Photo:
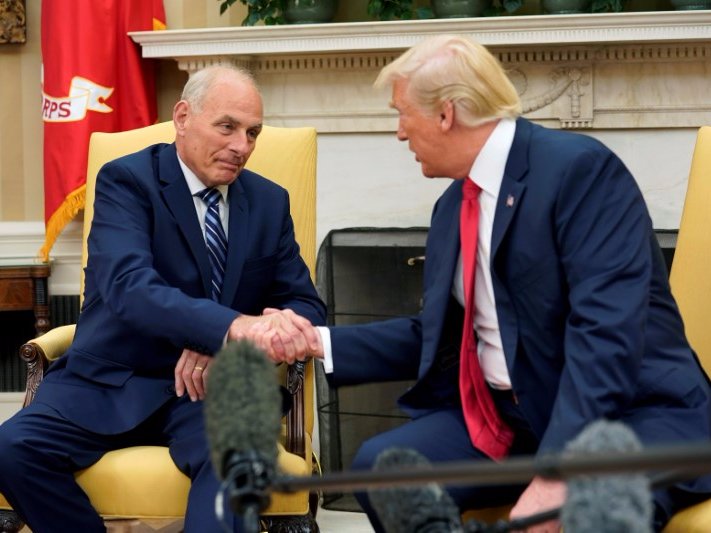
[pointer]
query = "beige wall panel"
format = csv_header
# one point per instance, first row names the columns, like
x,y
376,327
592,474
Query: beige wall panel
x,y
201,14
20,128
32,126
174,14
12,176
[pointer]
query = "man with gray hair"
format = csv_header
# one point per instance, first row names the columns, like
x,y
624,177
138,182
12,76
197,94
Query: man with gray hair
x,y
546,303
171,223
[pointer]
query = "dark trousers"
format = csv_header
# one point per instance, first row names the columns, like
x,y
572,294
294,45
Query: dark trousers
x,y
40,451
441,436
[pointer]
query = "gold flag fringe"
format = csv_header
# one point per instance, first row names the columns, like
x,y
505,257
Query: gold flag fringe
x,y
65,213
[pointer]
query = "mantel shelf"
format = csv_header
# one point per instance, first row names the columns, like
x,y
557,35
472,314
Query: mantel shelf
x,y
507,31
590,71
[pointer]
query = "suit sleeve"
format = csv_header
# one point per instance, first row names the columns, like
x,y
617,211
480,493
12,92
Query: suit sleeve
x,y
121,269
380,351
603,233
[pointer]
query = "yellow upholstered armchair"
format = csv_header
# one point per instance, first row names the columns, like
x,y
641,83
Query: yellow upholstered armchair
x,y
690,280
139,488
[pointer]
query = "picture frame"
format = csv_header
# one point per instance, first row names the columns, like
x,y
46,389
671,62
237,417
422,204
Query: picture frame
x,y
13,22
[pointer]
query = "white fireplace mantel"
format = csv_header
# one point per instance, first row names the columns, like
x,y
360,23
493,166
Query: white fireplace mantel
x,y
349,38
604,71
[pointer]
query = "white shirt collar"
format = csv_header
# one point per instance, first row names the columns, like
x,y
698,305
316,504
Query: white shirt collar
x,y
194,183
489,166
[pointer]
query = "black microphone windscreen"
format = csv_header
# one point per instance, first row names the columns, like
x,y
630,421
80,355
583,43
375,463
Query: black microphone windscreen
x,y
242,405
619,503
426,509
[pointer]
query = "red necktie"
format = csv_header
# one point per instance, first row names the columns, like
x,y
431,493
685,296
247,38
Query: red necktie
x,y
487,431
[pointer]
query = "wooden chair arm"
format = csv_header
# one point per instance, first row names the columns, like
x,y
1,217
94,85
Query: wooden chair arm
x,y
295,417
38,353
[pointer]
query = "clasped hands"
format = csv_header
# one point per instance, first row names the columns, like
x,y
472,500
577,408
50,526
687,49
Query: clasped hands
x,y
284,336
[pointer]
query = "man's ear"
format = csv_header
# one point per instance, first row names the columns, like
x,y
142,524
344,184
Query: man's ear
x,y
446,116
180,116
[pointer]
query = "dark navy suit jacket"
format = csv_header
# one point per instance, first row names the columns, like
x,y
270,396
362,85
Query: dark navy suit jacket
x,y
588,323
148,285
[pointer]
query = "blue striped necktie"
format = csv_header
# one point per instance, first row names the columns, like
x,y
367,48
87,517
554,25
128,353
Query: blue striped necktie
x,y
215,238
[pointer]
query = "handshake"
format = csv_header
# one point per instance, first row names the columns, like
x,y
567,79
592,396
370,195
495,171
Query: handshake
x,y
283,335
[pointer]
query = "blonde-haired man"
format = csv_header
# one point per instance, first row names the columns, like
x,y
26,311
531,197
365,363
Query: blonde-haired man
x,y
572,318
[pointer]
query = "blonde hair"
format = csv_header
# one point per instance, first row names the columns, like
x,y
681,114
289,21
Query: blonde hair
x,y
450,68
200,82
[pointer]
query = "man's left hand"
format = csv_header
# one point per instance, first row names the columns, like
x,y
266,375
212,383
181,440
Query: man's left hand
x,y
191,374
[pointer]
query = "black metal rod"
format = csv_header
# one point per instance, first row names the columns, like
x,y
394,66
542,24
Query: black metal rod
x,y
691,459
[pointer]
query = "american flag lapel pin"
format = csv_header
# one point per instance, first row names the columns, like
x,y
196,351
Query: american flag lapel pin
x,y
510,201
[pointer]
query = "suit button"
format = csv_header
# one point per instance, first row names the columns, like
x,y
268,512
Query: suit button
x,y
170,390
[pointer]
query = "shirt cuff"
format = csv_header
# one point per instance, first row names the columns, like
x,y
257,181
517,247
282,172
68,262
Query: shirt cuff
x,y
327,351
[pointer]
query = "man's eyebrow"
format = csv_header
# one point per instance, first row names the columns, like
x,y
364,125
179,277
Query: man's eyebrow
x,y
234,120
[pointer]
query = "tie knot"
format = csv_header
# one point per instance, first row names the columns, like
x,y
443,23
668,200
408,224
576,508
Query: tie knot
x,y
470,190
210,196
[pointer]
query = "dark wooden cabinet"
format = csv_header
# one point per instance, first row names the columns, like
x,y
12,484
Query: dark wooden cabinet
x,y
24,287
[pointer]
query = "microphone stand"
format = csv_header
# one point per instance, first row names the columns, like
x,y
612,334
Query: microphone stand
x,y
248,477
688,459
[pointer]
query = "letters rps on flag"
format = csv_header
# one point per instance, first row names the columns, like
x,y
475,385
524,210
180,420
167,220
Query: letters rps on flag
x,y
93,79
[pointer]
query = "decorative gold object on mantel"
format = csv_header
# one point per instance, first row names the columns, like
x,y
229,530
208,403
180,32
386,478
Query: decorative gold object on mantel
x,y
12,22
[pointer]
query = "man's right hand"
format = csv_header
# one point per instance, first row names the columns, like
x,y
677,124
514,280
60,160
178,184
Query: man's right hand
x,y
282,334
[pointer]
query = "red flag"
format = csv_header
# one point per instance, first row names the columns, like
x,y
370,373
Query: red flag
x,y
93,79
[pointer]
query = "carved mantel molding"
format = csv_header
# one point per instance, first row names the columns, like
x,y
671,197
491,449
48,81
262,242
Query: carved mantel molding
x,y
620,70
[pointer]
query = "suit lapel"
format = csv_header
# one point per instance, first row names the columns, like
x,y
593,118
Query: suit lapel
x,y
511,194
236,241
180,203
512,186
443,252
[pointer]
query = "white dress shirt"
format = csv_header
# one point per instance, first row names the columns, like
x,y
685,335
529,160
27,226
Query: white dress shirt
x,y
487,172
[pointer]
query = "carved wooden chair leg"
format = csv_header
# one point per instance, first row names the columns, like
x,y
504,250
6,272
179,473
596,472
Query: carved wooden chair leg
x,y
10,522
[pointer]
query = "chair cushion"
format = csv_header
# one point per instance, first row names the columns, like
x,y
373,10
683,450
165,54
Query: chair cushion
x,y
298,502
695,519
143,482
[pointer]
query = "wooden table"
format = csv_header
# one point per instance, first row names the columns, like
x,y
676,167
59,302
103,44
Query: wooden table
x,y
23,287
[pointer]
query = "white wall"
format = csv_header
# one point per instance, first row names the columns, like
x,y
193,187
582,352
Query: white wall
x,y
373,179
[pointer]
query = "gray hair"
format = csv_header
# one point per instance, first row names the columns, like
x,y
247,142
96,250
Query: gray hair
x,y
450,68
201,81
